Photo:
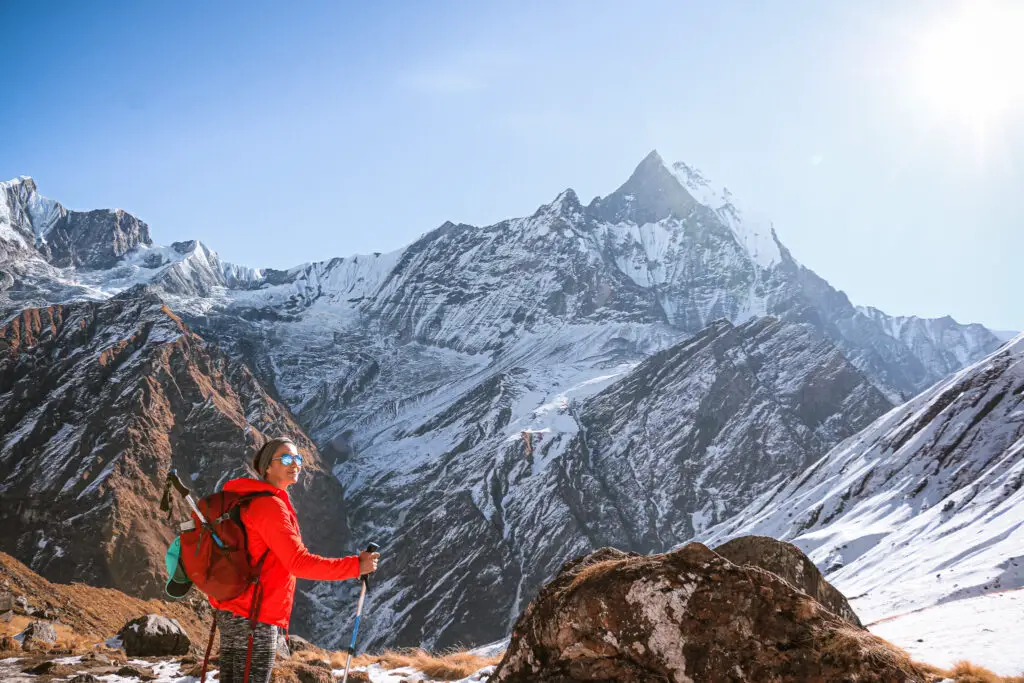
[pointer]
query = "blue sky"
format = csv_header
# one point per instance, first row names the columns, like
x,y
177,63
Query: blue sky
x,y
280,134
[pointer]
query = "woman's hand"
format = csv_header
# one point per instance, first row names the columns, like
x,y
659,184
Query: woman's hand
x,y
368,562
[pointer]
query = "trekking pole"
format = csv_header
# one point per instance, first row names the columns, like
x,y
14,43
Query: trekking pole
x,y
175,481
372,548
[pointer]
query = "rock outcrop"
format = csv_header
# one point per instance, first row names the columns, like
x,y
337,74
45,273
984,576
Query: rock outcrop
x,y
95,613
154,636
51,669
788,562
685,616
41,632
95,239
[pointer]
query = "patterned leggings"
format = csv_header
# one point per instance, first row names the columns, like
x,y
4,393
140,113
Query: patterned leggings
x,y
234,642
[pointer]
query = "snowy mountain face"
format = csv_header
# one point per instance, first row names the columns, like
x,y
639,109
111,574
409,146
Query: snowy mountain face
x,y
51,255
649,255
940,343
25,218
923,507
418,371
638,459
705,423
36,225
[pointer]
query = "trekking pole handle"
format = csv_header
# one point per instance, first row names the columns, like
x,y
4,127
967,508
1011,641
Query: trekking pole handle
x,y
371,548
174,480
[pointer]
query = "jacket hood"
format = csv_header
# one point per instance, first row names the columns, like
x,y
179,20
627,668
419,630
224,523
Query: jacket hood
x,y
250,485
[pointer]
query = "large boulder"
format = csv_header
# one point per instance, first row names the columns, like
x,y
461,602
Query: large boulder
x,y
50,669
300,644
284,650
685,616
310,672
786,560
133,671
154,636
39,634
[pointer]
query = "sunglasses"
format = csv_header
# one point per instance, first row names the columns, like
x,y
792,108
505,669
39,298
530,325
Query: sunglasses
x,y
287,459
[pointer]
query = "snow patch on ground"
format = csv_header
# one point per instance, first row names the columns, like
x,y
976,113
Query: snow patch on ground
x,y
985,630
379,674
165,672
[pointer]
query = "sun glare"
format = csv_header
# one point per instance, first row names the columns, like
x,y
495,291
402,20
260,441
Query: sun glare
x,y
968,66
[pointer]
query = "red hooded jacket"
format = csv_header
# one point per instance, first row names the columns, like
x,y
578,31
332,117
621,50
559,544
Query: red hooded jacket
x,y
270,522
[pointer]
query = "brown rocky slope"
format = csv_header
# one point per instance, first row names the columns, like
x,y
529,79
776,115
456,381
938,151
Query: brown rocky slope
x,y
90,614
97,402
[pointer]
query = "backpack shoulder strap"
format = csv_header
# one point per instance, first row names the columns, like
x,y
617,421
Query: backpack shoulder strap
x,y
246,498
239,502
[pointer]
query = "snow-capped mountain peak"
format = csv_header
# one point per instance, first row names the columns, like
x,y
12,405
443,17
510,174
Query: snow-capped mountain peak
x,y
566,207
26,217
43,212
650,195
754,232
950,344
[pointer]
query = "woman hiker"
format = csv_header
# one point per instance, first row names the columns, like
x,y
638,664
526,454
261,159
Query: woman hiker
x,y
271,524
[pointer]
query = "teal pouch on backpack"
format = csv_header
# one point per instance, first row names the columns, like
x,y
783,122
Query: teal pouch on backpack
x,y
178,584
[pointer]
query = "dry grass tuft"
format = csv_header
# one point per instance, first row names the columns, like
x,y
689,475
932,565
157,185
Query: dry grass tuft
x,y
445,666
77,644
309,671
966,672
15,626
596,570
338,660
806,608
846,639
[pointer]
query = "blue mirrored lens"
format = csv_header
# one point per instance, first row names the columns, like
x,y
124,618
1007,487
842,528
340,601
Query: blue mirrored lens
x,y
288,459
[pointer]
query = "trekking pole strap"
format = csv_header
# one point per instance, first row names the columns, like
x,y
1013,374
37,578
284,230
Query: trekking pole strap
x,y
248,659
257,598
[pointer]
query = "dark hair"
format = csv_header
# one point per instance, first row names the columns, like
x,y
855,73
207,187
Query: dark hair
x,y
261,462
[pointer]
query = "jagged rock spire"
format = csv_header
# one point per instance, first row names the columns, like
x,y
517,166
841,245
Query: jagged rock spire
x,y
651,194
